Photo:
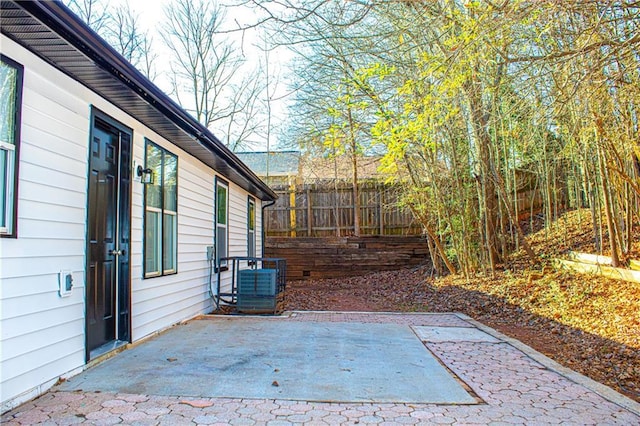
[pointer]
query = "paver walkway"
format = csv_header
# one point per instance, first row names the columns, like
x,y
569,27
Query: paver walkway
x,y
513,384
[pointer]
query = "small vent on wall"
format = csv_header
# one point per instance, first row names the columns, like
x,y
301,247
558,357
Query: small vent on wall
x,y
65,283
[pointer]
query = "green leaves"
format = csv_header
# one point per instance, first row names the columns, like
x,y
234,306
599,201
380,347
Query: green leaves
x,y
472,101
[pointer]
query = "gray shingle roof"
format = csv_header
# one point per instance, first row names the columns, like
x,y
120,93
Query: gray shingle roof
x,y
273,163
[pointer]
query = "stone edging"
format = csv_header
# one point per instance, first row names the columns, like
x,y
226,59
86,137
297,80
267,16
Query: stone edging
x,y
600,389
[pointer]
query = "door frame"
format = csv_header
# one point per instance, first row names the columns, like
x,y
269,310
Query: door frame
x,y
125,192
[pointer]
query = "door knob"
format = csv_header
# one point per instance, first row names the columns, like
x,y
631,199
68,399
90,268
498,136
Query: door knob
x,y
116,252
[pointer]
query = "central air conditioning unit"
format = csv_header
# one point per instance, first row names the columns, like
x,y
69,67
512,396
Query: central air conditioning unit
x,y
257,290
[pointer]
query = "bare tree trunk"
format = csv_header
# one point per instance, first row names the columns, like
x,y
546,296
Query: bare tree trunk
x,y
424,221
490,206
436,241
514,221
613,244
435,261
356,200
336,207
591,187
354,169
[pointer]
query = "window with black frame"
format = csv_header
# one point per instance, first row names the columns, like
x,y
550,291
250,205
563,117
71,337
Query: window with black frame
x,y
10,107
161,212
251,228
222,222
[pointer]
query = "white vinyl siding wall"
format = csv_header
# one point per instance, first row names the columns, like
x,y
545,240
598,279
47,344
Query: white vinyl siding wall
x,y
237,222
259,228
238,209
159,302
42,335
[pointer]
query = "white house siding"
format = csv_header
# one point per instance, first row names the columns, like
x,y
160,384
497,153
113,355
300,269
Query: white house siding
x,y
237,223
162,301
41,334
259,228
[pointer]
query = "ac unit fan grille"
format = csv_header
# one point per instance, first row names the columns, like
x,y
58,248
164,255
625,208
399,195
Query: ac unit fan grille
x,y
257,290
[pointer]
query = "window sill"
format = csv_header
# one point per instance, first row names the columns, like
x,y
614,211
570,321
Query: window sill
x,y
149,276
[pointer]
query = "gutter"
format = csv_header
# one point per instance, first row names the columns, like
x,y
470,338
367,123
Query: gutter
x,y
55,15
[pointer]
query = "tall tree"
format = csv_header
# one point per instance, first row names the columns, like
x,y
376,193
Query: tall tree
x,y
480,105
93,12
126,35
205,66
339,114
121,28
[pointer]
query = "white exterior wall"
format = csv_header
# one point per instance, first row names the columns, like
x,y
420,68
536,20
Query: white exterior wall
x,y
238,229
238,202
41,334
259,205
162,301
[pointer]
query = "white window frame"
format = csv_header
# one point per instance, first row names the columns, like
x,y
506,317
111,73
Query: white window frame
x,y
158,247
174,240
9,184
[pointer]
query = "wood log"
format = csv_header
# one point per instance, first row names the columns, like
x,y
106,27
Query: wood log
x,y
346,256
600,269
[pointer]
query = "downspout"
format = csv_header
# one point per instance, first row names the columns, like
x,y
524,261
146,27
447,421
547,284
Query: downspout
x,y
262,238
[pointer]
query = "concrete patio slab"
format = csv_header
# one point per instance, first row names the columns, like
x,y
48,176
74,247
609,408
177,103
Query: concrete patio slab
x,y
248,357
452,334
516,384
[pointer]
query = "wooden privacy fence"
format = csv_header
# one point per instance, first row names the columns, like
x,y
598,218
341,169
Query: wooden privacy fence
x,y
328,209
324,209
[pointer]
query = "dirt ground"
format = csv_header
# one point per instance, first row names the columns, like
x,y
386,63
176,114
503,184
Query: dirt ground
x,y
603,355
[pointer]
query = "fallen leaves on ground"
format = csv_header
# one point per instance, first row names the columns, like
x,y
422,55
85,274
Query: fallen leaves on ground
x,y
587,323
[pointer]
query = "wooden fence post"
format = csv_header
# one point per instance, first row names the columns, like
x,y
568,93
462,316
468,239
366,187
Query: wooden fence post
x,y
381,210
309,213
292,209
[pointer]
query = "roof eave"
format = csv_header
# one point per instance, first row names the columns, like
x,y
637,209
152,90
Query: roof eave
x,y
56,16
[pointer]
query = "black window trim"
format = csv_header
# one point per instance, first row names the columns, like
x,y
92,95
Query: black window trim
x,y
251,200
144,215
17,139
219,267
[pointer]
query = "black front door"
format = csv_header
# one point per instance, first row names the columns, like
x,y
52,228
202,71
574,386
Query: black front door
x,y
107,281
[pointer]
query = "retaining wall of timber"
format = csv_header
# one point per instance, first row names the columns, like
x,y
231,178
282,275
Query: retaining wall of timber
x,y
333,257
